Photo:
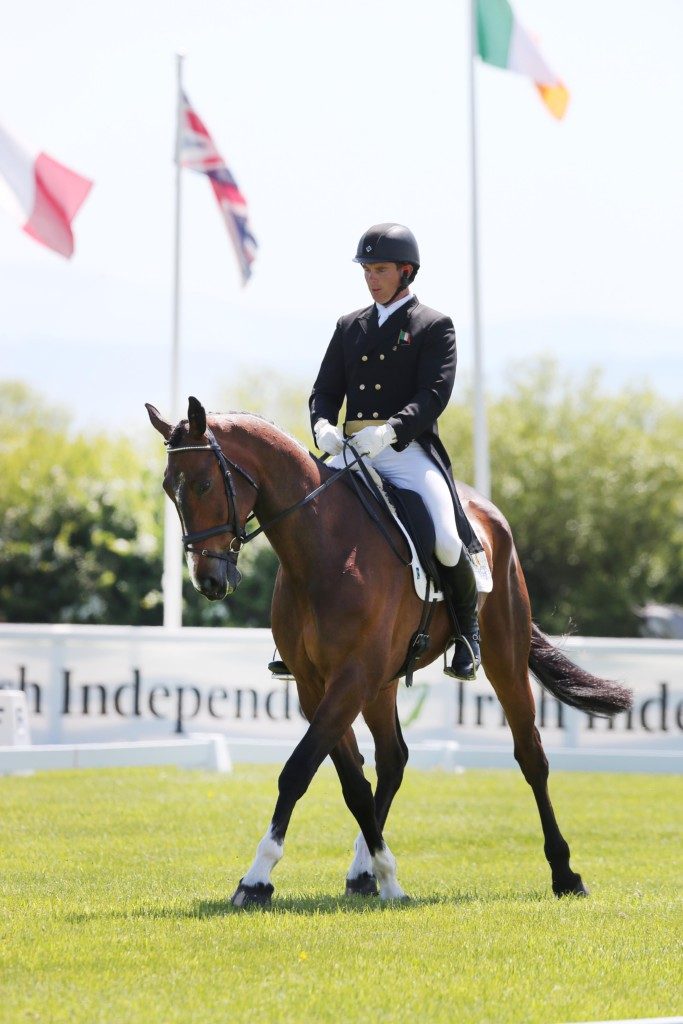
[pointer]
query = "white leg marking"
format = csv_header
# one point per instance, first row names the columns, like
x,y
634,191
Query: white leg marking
x,y
268,853
362,862
384,868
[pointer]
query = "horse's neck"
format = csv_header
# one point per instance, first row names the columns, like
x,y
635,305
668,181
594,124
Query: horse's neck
x,y
290,476
286,474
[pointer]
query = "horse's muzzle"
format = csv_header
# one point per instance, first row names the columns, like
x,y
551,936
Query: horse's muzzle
x,y
219,580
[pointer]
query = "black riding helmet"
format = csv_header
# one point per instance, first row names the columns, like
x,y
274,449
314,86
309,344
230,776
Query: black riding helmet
x,y
389,243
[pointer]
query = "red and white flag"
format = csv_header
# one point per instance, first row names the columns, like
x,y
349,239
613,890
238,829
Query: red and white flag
x,y
42,194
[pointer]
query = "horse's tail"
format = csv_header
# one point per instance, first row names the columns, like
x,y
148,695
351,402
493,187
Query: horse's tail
x,y
571,684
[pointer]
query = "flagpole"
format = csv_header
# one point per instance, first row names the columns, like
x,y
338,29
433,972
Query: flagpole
x,y
482,470
172,579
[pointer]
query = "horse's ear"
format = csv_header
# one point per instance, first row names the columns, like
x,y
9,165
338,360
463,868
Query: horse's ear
x,y
158,422
196,417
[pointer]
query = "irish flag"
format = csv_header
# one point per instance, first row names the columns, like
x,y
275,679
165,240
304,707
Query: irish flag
x,y
503,42
43,195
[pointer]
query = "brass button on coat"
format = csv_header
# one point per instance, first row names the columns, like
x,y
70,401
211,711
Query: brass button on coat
x,y
378,387
361,387
375,415
364,358
360,415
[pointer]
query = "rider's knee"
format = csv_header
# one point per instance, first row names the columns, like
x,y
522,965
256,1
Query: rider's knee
x,y
447,549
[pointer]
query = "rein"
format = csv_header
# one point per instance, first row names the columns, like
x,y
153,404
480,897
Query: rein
x,y
381,502
232,525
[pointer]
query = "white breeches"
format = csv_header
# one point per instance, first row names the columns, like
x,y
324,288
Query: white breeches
x,y
414,470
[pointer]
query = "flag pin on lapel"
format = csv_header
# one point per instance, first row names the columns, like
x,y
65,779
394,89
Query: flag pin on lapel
x,y
404,338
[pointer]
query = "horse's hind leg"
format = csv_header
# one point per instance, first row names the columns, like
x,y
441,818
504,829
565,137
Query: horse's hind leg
x,y
531,758
334,716
391,750
506,631
348,760
391,756
518,704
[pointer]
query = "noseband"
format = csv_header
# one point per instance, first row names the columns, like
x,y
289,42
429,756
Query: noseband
x,y
232,525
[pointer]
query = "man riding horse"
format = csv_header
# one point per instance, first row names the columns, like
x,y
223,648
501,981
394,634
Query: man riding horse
x,y
344,611
394,365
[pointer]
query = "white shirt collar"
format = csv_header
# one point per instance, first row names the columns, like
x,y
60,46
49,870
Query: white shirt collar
x,y
384,312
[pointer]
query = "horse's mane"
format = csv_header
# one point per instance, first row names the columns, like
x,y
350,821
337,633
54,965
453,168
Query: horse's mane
x,y
224,420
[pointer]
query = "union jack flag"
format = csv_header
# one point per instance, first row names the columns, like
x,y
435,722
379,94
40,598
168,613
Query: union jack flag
x,y
198,153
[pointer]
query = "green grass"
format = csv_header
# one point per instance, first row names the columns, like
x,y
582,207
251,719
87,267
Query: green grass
x,y
115,886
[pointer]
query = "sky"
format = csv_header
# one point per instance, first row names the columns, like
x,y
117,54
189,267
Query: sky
x,y
334,117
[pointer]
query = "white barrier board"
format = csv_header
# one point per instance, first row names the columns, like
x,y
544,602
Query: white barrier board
x,y
206,751
106,684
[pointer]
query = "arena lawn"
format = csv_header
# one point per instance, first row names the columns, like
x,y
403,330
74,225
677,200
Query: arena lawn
x,y
115,886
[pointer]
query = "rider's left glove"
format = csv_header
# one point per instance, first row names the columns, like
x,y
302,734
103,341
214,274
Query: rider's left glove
x,y
371,441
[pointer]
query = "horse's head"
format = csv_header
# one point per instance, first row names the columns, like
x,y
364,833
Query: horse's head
x,y
212,503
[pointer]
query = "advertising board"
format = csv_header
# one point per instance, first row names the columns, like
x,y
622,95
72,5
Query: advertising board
x,y
90,684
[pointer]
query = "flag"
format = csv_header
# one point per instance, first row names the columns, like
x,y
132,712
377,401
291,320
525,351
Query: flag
x,y
198,153
504,42
42,194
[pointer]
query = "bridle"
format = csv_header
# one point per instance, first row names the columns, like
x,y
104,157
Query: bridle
x,y
240,535
232,525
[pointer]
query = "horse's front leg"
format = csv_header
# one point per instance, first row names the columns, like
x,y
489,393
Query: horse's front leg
x,y
336,712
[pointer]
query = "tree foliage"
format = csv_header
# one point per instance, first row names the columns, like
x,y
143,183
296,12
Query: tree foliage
x,y
589,481
591,485
80,520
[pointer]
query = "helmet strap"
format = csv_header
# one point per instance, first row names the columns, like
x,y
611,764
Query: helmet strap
x,y
406,278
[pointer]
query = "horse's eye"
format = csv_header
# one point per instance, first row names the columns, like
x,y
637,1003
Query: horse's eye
x,y
202,487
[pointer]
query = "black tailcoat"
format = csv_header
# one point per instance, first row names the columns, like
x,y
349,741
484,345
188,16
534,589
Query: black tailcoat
x,y
401,373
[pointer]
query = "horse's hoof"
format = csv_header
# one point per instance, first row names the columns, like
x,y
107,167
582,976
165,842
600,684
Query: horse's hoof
x,y
397,900
364,884
252,895
574,887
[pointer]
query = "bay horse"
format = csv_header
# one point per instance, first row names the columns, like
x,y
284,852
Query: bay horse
x,y
344,612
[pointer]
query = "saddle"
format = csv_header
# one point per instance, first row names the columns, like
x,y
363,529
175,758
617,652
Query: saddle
x,y
411,515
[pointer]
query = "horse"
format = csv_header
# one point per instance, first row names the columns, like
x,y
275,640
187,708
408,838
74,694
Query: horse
x,y
344,611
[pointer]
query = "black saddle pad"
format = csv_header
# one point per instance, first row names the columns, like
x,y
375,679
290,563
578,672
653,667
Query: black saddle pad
x,y
413,514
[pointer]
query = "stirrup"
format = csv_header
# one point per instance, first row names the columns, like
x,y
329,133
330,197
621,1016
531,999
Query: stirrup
x,y
279,670
449,670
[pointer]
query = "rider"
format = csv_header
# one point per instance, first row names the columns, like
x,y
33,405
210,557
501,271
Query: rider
x,y
394,364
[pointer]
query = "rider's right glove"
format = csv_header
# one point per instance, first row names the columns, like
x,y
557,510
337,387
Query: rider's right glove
x,y
328,438
371,441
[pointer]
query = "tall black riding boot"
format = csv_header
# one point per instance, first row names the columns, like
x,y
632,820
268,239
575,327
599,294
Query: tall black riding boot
x,y
462,589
